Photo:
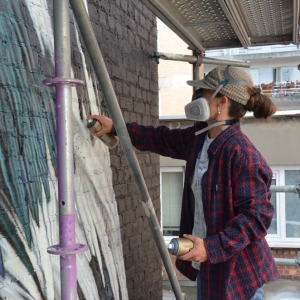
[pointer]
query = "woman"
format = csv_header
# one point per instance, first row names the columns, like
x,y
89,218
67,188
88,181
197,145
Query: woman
x,y
226,207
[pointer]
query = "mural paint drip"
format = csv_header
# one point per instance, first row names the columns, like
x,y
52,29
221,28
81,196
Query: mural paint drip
x,y
28,175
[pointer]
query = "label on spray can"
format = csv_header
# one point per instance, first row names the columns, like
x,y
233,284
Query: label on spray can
x,y
180,246
108,139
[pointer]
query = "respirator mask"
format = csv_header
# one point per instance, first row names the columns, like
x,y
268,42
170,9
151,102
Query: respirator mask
x,y
199,109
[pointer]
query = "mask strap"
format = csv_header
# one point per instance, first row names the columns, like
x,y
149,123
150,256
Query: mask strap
x,y
228,79
228,122
216,91
231,80
223,83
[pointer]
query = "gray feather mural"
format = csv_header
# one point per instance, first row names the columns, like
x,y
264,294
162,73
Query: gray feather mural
x,y
28,175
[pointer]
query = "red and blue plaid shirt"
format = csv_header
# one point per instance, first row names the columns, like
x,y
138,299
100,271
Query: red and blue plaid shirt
x,y
236,201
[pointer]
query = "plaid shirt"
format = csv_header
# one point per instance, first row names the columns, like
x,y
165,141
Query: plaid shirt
x,y
236,202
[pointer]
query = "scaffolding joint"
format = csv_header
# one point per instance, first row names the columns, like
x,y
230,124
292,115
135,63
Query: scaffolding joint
x,y
298,259
298,190
57,80
155,57
64,251
199,55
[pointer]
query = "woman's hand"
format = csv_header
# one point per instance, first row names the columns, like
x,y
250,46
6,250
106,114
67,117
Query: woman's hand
x,y
107,124
198,253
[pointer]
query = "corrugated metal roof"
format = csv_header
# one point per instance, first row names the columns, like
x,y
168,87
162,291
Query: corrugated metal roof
x,y
213,24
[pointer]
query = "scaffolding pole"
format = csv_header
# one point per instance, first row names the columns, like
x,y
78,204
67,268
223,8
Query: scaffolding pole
x,y
192,59
287,188
98,63
196,74
67,249
287,262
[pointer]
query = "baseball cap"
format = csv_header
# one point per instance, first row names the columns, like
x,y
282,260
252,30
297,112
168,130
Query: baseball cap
x,y
234,80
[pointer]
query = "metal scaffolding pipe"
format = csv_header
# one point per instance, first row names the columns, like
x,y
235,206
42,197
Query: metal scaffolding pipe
x,y
287,262
98,63
206,60
65,147
287,188
284,188
196,74
67,249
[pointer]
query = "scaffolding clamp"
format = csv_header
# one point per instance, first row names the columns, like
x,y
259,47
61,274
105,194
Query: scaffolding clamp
x,y
298,191
156,57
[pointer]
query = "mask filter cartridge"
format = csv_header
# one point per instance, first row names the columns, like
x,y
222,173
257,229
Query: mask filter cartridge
x,y
198,110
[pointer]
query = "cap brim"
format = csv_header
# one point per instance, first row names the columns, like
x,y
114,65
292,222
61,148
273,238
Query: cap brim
x,y
199,84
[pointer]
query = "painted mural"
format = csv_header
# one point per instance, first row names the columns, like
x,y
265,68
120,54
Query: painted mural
x,y
28,174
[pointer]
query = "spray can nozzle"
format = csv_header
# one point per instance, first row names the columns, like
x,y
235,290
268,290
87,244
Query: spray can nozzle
x,y
108,139
171,247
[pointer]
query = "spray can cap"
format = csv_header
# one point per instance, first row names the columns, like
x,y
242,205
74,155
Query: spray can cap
x,y
91,123
171,246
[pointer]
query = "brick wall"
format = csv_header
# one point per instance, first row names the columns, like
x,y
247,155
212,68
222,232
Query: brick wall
x,y
126,32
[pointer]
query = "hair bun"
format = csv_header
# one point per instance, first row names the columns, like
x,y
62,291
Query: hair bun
x,y
261,105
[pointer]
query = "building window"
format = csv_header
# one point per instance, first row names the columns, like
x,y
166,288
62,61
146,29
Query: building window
x,y
285,227
171,199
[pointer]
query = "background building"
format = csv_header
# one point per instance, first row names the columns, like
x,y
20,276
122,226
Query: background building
x,y
277,139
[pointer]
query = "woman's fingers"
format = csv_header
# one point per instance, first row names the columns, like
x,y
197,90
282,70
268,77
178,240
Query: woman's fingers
x,y
106,124
198,253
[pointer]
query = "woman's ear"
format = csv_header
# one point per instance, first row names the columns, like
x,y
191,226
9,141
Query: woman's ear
x,y
223,101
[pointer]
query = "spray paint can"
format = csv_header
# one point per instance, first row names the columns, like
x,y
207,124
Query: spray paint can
x,y
180,246
108,139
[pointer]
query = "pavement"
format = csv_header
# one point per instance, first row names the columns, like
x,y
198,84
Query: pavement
x,y
169,295
277,290
189,292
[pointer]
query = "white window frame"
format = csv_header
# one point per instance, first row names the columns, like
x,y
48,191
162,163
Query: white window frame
x,y
280,207
171,170
280,240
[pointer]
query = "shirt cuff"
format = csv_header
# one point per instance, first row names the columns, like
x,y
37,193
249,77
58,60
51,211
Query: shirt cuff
x,y
214,249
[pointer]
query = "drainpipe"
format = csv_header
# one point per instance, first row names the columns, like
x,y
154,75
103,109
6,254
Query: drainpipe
x,y
67,248
98,63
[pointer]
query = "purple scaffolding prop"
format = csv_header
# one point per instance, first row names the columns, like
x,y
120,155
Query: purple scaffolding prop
x,y
67,248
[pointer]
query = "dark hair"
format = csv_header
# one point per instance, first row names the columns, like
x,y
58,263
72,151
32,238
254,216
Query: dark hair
x,y
197,94
261,105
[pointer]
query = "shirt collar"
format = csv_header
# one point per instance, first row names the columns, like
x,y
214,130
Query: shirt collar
x,y
224,136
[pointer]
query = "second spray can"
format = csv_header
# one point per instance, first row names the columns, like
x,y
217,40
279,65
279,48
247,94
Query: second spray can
x,y
180,246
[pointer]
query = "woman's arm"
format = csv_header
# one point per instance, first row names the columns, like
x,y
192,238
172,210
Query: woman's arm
x,y
174,143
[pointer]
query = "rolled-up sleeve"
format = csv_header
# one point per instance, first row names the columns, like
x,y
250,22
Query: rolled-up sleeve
x,y
162,140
